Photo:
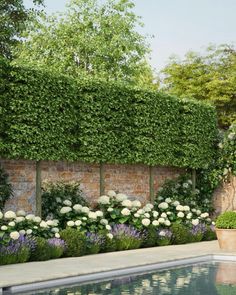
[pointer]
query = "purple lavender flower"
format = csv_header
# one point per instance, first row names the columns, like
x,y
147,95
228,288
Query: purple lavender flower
x,y
15,246
164,233
94,238
198,229
55,242
120,230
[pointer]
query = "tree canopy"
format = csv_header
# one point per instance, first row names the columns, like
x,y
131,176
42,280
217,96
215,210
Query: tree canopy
x,y
90,37
12,23
208,77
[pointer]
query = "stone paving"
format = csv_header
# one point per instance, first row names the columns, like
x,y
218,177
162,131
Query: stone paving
x,y
19,274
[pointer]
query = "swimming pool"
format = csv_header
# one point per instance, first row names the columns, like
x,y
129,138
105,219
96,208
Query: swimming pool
x,y
209,278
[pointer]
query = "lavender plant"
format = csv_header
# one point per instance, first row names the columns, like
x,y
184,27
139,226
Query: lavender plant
x,y
197,232
164,237
94,243
58,247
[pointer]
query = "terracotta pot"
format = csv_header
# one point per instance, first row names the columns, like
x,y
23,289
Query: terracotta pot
x,y
226,239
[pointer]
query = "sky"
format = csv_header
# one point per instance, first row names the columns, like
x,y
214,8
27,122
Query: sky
x,y
178,25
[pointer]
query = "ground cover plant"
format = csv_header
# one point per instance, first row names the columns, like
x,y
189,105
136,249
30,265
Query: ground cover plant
x,y
118,223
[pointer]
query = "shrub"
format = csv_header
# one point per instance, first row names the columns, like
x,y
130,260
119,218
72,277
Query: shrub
x,y
226,220
210,233
126,237
150,237
58,247
75,242
58,194
196,233
180,233
5,188
94,243
164,237
42,250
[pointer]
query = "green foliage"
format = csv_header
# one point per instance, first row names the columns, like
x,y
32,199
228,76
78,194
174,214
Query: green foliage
x,y
22,255
75,242
90,38
12,22
5,188
209,234
226,220
54,194
109,245
150,239
181,190
208,77
127,243
102,122
180,234
42,250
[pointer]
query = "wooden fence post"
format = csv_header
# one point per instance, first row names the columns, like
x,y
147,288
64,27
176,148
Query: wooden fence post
x,y
151,184
102,179
38,189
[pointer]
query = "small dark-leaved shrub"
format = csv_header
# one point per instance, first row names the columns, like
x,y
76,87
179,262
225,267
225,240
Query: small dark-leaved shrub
x,y
5,188
54,194
57,246
94,243
75,242
150,237
42,250
209,234
180,234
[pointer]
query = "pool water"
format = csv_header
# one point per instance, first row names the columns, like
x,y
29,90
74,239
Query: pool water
x,y
198,279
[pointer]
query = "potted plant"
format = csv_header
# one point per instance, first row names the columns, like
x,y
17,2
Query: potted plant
x,y
226,230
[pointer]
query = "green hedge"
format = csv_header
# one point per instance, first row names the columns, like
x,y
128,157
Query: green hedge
x,y
54,117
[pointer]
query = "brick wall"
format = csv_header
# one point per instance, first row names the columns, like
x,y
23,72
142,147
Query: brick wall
x,y
130,179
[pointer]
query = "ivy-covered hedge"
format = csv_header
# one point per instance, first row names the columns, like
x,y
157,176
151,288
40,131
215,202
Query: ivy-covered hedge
x,y
45,116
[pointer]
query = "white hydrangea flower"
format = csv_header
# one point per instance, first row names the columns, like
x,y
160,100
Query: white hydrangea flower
x,y
30,216
208,219
136,204
149,205
186,208
50,222
110,236
176,203
168,200
22,232
180,208
168,213
14,235
125,212
43,224
19,219
11,223
193,210
127,203
110,209
204,215
220,145
99,213
56,222
189,215
77,207
104,200
65,210
70,223
147,215
195,221
111,193
78,222
146,222
140,211
55,230
231,136
155,222
167,222
108,227
163,205
29,231
85,210
198,212
10,215
104,221
180,214
164,215
20,213
136,215
185,185
84,218
1,215
213,223
58,200
35,227
155,214
121,197
162,233
37,219
161,220
67,203
57,235
3,227
92,215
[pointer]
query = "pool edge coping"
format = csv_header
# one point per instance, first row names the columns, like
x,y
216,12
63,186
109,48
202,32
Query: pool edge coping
x,y
105,275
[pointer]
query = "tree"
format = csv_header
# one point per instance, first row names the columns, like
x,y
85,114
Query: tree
x,y
12,23
90,38
210,77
